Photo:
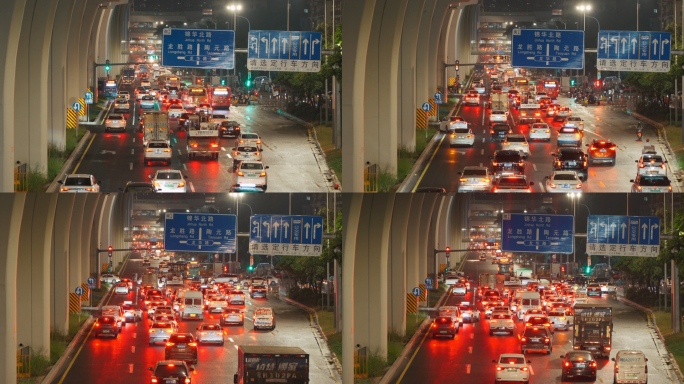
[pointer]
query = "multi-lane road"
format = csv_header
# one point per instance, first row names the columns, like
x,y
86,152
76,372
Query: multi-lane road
x,y
127,358
601,122
469,356
294,163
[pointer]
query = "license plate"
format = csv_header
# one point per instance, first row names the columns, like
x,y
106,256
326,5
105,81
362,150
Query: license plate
x,y
580,365
512,369
170,381
443,332
535,340
181,346
565,185
603,151
572,163
193,315
655,189
170,185
105,331
158,152
591,348
631,375
653,171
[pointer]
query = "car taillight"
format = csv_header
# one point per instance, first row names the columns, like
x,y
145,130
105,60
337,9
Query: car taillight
x,y
187,380
181,184
170,344
97,324
639,188
214,145
579,186
524,369
262,174
593,364
240,173
546,340
154,380
434,325
499,368
192,344
662,165
641,165
524,339
567,364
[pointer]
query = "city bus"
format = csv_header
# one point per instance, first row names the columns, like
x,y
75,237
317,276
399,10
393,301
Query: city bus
x,y
178,268
521,84
173,82
551,87
110,88
220,98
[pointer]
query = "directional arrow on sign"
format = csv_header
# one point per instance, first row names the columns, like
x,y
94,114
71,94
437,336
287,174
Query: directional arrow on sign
x,y
268,228
286,226
283,45
265,40
624,44
274,44
605,44
306,233
655,46
644,227
614,40
605,231
276,225
313,46
634,45
653,226
318,225
662,45
305,43
592,224
256,229
623,227
612,230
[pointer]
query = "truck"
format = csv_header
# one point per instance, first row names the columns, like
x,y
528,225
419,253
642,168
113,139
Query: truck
x,y
128,76
155,126
150,279
593,329
259,364
498,102
203,137
487,281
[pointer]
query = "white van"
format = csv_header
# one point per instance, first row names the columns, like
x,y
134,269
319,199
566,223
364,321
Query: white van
x,y
192,305
529,300
264,318
630,367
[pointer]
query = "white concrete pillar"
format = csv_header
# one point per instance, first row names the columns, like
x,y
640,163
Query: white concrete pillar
x,y
10,29
86,49
12,206
396,295
75,67
356,33
34,281
351,206
422,58
407,76
426,245
75,243
434,61
60,265
413,251
57,75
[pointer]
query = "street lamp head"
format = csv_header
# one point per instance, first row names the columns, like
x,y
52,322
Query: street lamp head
x,y
234,7
584,7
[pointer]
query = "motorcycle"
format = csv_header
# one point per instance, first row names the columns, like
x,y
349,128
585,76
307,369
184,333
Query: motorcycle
x,y
639,135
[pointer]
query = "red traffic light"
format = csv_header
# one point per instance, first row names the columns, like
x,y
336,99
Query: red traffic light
x,y
110,248
447,250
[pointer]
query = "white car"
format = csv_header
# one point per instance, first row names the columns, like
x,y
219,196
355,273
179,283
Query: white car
x,y
157,150
245,153
121,105
540,131
651,164
563,181
501,322
252,174
452,121
474,178
160,331
575,121
512,367
569,136
459,289
560,320
563,112
461,136
472,98
115,121
498,116
209,333
147,102
469,312
121,289
175,111
78,183
139,95
248,139
124,94
109,278
216,304
169,180
516,142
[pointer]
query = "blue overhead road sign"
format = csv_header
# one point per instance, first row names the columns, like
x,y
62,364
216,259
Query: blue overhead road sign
x,y
289,51
200,232
623,235
286,235
535,233
198,48
634,51
547,48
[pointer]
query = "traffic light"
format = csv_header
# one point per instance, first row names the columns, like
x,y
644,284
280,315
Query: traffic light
x,y
587,270
110,249
223,81
250,268
248,83
447,251
562,268
597,83
107,67
573,82
456,65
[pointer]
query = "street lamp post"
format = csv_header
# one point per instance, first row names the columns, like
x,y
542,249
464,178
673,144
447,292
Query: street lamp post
x,y
234,8
584,8
574,196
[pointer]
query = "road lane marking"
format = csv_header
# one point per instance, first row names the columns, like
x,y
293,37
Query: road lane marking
x,y
185,167
541,187
130,368
192,187
601,184
531,371
468,369
135,335
428,163
534,166
84,153
132,348
130,166
132,151
480,164
472,335
470,349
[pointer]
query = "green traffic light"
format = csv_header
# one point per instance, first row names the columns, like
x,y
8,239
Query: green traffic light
x,y
248,83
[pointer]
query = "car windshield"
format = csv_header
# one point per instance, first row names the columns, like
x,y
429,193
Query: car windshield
x,y
500,127
652,159
169,175
602,144
516,139
475,172
106,320
512,182
459,130
540,126
512,360
161,325
77,181
501,317
167,370
254,166
507,157
115,117
571,155
535,332
568,130
250,136
564,176
246,149
655,181
158,145
211,327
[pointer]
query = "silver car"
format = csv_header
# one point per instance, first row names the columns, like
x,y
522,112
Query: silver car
x,y
160,331
475,178
209,333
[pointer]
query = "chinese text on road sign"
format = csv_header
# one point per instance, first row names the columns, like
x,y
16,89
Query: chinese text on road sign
x,y
632,51
623,235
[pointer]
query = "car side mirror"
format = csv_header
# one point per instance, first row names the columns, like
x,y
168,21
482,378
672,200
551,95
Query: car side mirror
x,y
152,369
636,161
529,361
266,167
613,359
493,361
631,180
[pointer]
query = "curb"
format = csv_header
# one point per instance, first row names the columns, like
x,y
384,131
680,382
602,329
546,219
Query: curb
x,y
332,359
667,359
68,353
68,164
329,174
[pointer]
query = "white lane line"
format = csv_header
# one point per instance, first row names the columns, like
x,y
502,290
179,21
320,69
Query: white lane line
x,y
185,167
468,369
482,151
541,187
472,335
531,371
130,166
481,163
135,335
130,368
132,348
470,349
132,151
192,187
534,166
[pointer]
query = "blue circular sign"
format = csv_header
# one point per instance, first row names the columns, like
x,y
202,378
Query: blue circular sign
x,y
428,281
88,95
91,281
426,106
416,291
438,95
76,106
79,290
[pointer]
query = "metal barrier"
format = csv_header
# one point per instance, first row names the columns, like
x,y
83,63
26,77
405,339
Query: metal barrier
x,y
24,362
370,178
21,177
361,363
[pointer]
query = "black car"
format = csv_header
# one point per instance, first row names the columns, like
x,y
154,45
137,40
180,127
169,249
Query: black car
x,y
571,159
175,371
578,364
139,187
229,129
444,327
106,326
499,131
181,346
507,161
538,339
